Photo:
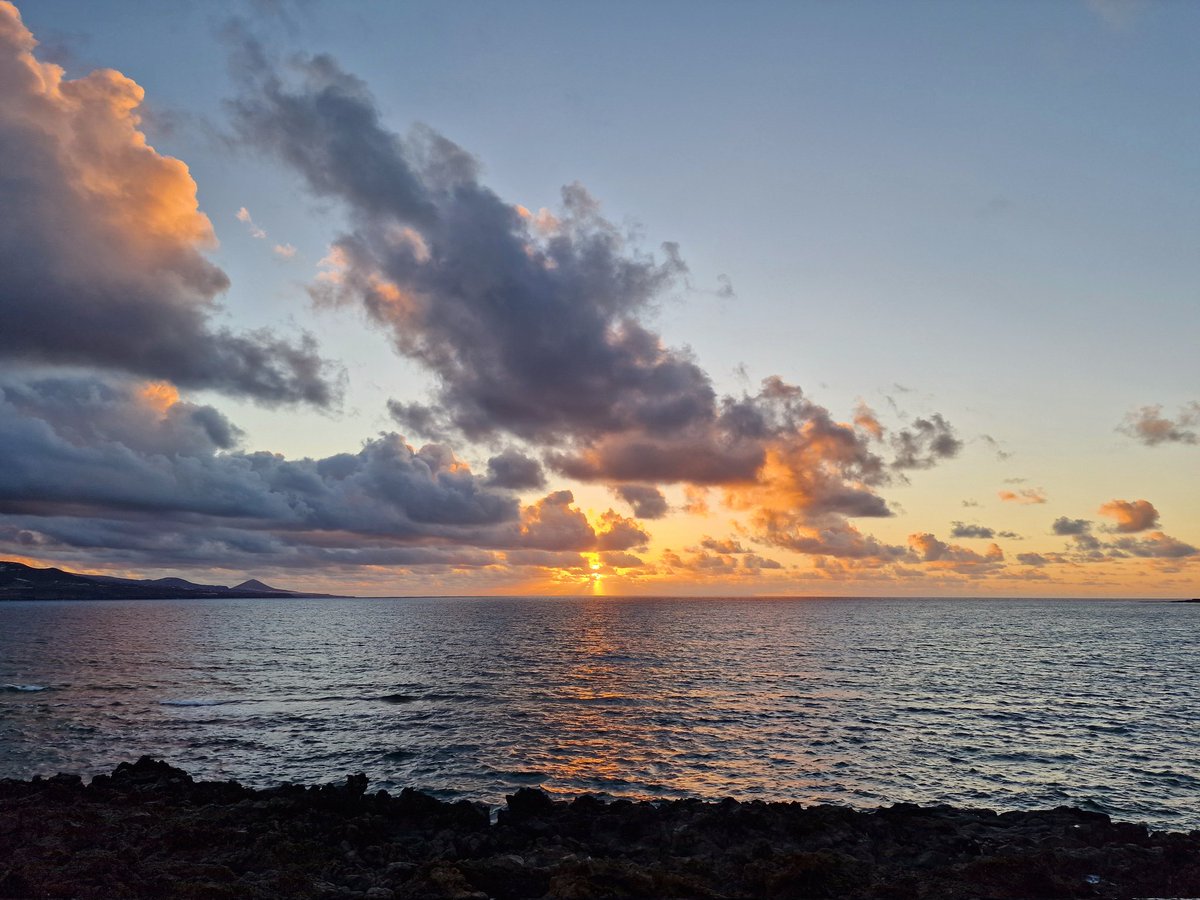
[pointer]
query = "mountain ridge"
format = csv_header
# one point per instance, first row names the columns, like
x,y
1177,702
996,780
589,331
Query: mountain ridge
x,y
21,582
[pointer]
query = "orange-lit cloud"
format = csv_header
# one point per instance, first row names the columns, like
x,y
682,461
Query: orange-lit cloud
x,y
952,556
106,267
160,395
866,420
554,523
1139,515
1025,497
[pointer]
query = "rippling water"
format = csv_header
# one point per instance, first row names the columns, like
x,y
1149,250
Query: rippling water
x,y
1007,704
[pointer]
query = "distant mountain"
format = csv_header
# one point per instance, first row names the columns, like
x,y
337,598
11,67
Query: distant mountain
x,y
22,582
255,585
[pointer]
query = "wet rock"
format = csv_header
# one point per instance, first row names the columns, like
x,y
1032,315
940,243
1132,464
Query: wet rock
x,y
528,803
150,830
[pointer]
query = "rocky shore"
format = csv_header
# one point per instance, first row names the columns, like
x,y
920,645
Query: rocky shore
x,y
150,830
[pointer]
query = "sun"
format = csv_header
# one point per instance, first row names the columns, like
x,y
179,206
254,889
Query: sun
x,y
594,573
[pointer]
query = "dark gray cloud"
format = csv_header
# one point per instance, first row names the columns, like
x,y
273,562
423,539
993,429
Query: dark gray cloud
x,y
530,324
1148,425
514,470
1068,527
1032,559
159,542
84,443
694,456
101,244
1154,546
646,500
727,546
925,443
961,530
533,323
130,472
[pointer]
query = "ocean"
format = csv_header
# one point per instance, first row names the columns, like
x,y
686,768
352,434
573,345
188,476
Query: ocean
x,y
1008,704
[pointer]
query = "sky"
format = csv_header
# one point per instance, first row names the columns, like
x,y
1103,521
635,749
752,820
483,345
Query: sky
x,y
844,299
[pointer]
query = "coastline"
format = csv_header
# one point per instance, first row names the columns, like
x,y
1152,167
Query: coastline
x,y
151,830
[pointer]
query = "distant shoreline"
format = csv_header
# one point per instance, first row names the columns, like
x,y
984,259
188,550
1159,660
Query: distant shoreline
x,y
21,582
150,830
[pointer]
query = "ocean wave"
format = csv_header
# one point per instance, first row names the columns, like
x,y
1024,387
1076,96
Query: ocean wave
x,y
194,702
25,688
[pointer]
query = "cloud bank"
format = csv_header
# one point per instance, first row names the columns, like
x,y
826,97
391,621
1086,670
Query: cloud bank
x,y
533,325
102,242
130,467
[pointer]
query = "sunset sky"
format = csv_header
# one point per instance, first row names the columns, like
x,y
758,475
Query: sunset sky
x,y
671,298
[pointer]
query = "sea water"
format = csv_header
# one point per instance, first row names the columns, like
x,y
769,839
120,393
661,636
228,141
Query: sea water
x,y
1006,704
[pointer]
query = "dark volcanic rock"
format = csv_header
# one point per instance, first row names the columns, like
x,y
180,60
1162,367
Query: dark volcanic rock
x,y
150,830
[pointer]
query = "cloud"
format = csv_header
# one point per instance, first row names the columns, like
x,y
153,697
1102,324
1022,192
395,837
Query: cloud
x,y
1032,559
1149,426
925,444
553,523
838,539
1155,545
86,444
284,251
529,334
720,557
951,556
1001,453
866,420
695,501
243,215
961,530
104,266
532,324
706,563
728,546
130,470
647,501
513,469
1026,497
1140,515
1068,527
755,562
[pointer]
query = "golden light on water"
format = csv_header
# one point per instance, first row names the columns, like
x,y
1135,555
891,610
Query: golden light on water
x,y
596,577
